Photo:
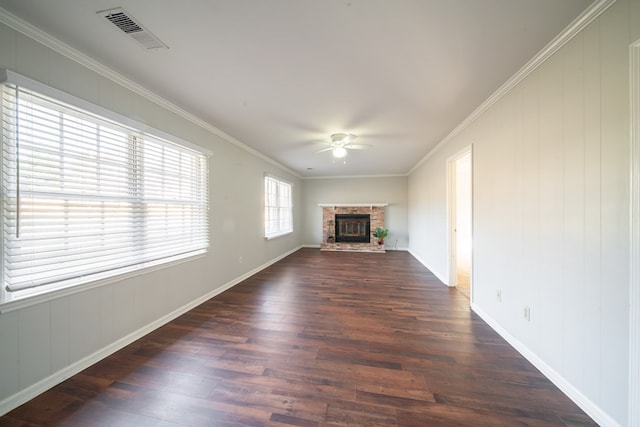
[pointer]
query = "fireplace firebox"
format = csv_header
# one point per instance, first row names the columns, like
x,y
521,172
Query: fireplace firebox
x,y
353,228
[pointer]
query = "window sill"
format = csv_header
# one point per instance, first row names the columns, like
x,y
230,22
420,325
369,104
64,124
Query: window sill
x,y
11,301
275,236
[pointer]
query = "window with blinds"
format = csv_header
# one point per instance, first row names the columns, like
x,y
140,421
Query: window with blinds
x,y
85,197
278,209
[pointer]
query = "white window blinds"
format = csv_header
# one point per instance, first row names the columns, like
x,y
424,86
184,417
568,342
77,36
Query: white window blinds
x,y
85,196
278,212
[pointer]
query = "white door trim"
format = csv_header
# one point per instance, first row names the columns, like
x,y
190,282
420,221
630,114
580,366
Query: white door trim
x,y
634,286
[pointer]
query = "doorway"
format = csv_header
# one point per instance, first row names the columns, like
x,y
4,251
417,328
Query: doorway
x,y
460,222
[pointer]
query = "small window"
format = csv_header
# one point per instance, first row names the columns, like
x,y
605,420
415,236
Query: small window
x,y
86,197
278,210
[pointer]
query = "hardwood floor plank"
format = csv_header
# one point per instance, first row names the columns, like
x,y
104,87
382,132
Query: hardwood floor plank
x,y
318,339
288,420
349,414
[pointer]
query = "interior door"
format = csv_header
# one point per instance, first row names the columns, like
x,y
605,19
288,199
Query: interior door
x,y
460,214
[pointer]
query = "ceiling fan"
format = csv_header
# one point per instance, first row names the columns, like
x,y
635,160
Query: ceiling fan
x,y
341,142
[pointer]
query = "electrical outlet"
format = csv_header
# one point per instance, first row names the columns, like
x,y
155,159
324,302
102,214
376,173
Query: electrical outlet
x,y
240,260
499,295
527,313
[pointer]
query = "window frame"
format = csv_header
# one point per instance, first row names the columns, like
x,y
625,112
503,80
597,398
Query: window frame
x,y
280,183
11,300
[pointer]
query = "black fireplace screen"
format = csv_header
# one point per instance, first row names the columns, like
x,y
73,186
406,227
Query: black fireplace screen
x,y
353,228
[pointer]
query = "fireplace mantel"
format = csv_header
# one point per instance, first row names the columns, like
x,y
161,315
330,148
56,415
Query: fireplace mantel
x,y
353,205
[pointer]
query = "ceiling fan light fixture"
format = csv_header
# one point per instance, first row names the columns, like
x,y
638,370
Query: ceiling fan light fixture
x,y
339,152
342,138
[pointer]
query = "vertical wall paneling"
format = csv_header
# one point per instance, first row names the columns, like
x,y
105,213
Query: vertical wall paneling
x,y
530,224
591,291
551,295
565,127
431,235
34,343
424,223
107,321
487,204
59,334
9,356
511,202
634,318
123,314
615,176
84,323
573,209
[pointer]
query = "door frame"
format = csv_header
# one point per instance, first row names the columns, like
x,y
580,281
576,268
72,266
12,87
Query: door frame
x,y
634,285
451,218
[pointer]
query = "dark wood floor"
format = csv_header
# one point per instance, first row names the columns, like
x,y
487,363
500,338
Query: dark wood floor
x,y
318,339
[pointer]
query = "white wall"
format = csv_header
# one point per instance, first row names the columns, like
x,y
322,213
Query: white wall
x,y
551,213
392,190
40,341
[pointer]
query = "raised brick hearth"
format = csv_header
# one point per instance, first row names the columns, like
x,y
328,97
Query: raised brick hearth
x,y
329,211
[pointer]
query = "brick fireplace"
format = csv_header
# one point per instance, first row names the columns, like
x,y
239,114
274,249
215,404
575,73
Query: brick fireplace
x,y
354,220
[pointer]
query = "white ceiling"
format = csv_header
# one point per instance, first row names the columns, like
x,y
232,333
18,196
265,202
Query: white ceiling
x,y
282,75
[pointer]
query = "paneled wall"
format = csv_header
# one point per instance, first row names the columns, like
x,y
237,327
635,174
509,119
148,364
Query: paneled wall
x,y
42,343
551,204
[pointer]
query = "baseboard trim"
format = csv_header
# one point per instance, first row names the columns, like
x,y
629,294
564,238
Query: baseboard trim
x,y
586,404
56,378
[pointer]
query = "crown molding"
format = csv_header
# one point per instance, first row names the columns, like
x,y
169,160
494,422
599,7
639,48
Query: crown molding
x,y
578,24
80,58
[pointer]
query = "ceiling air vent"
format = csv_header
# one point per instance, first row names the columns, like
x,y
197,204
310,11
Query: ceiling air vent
x,y
123,20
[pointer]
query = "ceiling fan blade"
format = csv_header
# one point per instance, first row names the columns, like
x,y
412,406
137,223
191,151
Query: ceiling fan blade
x,y
326,149
349,138
357,146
